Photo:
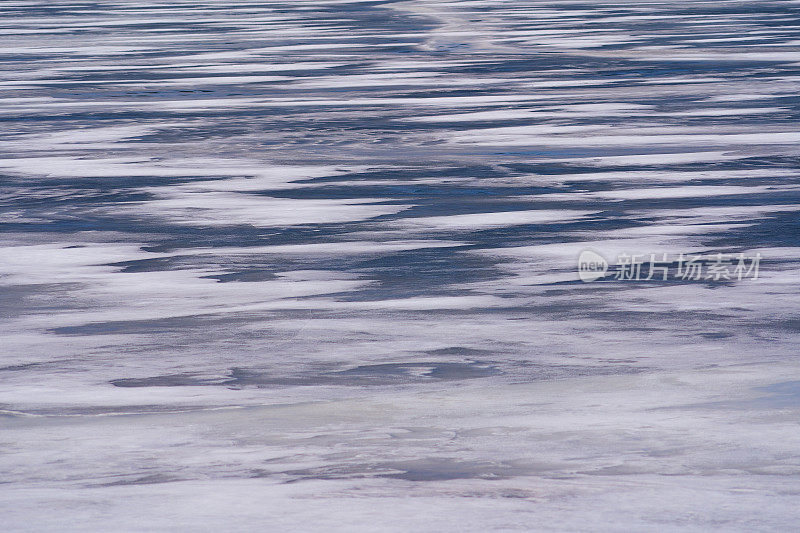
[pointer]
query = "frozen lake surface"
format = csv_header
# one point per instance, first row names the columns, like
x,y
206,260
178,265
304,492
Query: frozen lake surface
x,y
312,265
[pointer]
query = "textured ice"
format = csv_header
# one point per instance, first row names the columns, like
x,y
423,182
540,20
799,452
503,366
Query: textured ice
x,y
311,265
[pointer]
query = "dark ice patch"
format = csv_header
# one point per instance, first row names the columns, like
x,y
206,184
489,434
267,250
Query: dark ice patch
x,y
151,479
443,469
378,374
168,380
457,350
381,374
409,371
425,469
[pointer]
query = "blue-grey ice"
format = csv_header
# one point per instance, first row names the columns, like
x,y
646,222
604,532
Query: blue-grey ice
x,y
312,265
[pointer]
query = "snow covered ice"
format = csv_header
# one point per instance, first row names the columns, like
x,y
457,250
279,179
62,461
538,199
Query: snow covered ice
x,y
312,265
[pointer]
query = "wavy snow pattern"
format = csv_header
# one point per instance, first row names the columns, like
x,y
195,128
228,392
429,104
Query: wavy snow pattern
x,y
215,212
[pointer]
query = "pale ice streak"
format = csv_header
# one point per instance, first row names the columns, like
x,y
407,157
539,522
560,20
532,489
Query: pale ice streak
x,y
311,265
